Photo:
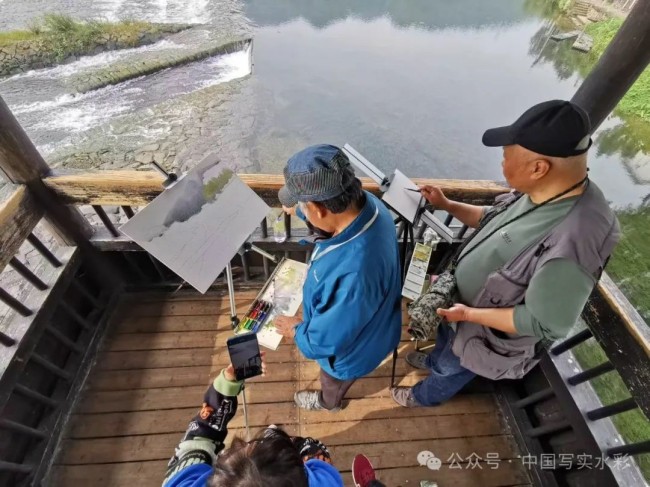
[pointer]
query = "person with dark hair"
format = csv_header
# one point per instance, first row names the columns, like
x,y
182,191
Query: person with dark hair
x,y
271,459
352,294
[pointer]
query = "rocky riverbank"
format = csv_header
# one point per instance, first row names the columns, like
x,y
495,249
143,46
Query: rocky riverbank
x,y
61,40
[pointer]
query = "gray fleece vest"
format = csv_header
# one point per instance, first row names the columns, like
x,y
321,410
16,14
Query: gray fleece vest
x,y
587,235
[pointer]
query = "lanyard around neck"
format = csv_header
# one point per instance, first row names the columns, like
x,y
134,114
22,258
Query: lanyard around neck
x,y
317,255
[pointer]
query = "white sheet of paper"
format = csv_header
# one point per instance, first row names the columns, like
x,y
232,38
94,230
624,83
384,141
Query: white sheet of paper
x,y
196,226
405,203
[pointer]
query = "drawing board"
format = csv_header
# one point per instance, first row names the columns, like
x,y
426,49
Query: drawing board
x,y
196,226
405,203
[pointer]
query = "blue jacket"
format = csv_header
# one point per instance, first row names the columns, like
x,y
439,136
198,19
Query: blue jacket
x,y
319,474
352,296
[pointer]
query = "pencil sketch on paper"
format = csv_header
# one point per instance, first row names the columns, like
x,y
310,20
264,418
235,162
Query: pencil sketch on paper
x,y
196,226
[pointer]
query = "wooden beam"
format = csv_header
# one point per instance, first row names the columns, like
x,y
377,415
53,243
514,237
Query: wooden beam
x,y
633,321
134,188
115,188
19,214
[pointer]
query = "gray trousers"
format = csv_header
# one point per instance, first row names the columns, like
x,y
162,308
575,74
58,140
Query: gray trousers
x,y
333,390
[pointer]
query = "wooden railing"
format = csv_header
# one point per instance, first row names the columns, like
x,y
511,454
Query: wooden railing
x,y
610,318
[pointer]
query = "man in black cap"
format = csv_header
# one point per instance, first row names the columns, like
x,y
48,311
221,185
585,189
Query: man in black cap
x,y
527,272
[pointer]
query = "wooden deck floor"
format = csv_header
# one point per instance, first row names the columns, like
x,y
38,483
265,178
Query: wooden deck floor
x,y
163,350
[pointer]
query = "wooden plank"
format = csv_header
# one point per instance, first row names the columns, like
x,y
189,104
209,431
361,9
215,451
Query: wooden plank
x,y
131,188
508,474
161,341
203,307
172,420
19,214
165,324
187,357
371,430
137,188
633,321
154,359
398,453
386,408
176,397
142,474
118,380
130,448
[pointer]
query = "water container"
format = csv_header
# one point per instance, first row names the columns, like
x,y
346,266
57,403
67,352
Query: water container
x,y
279,230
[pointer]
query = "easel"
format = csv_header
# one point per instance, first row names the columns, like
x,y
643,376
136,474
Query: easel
x,y
406,227
170,179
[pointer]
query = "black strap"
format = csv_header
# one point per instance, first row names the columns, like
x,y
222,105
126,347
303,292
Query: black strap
x,y
486,220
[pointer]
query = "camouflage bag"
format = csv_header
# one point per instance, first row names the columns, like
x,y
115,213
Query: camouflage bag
x,y
424,319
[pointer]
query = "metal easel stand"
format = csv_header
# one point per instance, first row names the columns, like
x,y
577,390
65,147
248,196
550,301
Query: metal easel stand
x,y
243,394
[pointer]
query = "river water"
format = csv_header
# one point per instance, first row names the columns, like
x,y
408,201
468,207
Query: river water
x,y
410,84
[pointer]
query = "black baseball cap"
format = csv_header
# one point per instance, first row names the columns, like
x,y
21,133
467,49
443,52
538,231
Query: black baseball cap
x,y
555,128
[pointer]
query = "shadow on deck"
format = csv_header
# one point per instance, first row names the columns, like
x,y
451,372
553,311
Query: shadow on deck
x,y
161,352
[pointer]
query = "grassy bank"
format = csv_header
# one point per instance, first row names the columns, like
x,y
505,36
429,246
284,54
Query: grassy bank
x,y
63,36
630,264
636,102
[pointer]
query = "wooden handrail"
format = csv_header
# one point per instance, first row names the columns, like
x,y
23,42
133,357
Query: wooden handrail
x,y
630,317
19,214
136,188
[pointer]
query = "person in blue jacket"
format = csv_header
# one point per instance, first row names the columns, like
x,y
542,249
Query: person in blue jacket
x,y
351,297
271,459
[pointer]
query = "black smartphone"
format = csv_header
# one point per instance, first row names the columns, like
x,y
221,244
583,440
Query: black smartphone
x,y
245,355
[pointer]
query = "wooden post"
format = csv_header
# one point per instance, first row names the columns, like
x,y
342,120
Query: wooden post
x,y
21,163
618,68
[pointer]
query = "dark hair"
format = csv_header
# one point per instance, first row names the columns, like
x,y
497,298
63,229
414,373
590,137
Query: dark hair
x,y
270,460
352,196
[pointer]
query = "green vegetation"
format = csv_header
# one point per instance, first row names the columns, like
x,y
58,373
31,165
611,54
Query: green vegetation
x,y
636,102
630,264
633,426
64,36
216,185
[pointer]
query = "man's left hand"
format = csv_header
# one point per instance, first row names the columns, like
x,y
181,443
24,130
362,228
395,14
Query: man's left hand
x,y
458,312
285,325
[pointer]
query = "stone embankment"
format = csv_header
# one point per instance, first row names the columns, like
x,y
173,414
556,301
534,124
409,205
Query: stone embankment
x,y
21,56
147,64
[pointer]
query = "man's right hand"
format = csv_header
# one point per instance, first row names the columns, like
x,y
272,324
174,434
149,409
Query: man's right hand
x,y
435,196
289,210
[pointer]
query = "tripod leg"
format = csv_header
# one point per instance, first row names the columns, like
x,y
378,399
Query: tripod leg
x,y
392,377
248,432
234,321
